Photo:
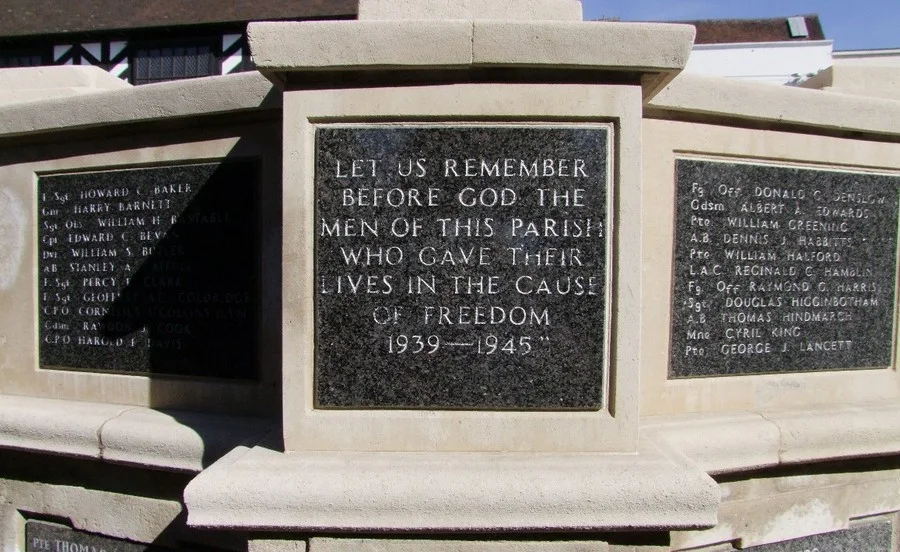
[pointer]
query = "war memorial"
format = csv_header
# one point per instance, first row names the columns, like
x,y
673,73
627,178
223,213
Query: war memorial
x,y
449,276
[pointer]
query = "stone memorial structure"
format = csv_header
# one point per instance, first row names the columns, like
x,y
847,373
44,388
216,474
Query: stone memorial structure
x,y
450,276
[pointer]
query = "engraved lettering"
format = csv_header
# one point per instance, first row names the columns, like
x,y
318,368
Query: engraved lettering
x,y
460,256
781,269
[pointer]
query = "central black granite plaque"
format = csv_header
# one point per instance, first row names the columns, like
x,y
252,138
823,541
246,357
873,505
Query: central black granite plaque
x,y
461,267
41,536
150,270
782,269
871,537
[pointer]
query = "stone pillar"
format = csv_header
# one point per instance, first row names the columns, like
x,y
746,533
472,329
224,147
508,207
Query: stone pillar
x,y
459,403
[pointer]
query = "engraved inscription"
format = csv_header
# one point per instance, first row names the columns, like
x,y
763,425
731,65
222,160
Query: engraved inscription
x,y
782,269
461,267
150,270
41,536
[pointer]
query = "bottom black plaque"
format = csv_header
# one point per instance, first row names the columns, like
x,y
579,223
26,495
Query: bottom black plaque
x,y
41,536
871,537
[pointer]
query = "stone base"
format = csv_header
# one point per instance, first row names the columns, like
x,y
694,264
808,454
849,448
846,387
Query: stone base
x,y
264,490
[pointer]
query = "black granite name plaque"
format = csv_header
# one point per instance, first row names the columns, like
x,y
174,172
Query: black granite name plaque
x,y
782,269
461,267
150,270
870,537
41,536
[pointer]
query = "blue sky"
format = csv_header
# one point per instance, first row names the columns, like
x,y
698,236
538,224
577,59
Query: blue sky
x,y
851,24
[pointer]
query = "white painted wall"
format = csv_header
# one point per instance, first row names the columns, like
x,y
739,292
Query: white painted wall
x,y
880,58
771,62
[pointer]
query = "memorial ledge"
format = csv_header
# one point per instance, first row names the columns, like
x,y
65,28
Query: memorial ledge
x,y
744,441
266,490
651,54
121,434
688,96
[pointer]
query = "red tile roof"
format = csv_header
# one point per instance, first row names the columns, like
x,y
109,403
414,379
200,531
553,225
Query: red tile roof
x,y
41,17
723,31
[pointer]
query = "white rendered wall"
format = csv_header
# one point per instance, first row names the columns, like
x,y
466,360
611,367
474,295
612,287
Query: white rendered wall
x,y
881,58
771,62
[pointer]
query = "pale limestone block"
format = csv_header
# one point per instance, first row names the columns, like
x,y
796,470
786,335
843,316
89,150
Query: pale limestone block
x,y
730,442
725,97
28,84
55,426
764,510
183,441
12,526
644,46
718,443
857,79
568,10
423,545
354,44
262,489
152,102
657,51
13,232
639,548
59,76
276,545
892,93
117,515
841,432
